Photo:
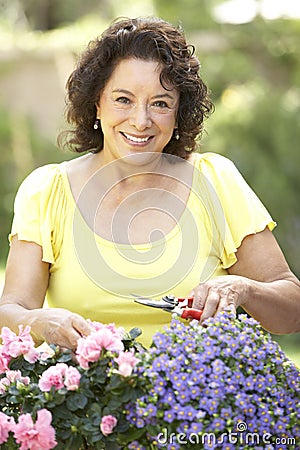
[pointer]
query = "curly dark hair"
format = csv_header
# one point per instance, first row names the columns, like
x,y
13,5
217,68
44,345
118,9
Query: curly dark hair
x,y
146,39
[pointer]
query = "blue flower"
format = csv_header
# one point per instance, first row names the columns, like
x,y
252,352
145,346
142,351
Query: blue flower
x,y
209,378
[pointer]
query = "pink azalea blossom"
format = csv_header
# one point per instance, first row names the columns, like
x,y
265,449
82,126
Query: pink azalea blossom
x,y
107,425
11,377
16,375
60,376
72,378
4,383
53,376
119,332
4,361
21,344
35,436
32,355
89,348
126,362
6,425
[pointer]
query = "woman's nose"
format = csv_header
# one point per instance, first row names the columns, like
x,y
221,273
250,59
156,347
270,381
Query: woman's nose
x,y
140,117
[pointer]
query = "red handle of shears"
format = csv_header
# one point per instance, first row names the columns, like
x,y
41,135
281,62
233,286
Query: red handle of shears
x,y
190,313
188,301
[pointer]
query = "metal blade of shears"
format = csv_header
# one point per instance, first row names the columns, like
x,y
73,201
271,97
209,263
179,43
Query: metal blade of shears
x,y
153,303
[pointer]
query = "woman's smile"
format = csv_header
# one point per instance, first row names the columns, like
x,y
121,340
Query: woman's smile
x,y
141,141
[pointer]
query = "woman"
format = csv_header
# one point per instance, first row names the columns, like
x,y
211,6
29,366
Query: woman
x,y
139,212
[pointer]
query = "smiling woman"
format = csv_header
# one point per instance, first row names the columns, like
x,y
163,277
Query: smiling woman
x,y
140,212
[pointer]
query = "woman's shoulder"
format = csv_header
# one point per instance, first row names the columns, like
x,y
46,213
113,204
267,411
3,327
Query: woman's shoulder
x,y
210,159
214,165
45,181
42,176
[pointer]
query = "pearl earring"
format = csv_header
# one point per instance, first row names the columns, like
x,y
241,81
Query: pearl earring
x,y
176,134
97,124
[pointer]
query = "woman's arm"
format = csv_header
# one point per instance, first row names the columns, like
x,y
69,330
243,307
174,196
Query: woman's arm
x,y
26,283
261,282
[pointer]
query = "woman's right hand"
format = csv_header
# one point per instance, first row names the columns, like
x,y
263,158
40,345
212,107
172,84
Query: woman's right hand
x,y
58,326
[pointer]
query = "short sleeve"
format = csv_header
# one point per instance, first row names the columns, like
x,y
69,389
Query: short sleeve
x,y
240,211
38,206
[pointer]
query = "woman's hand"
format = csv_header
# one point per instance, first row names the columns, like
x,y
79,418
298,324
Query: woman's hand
x,y
58,326
213,296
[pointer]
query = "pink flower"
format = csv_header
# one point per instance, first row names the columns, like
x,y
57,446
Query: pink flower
x,y
16,375
89,348
4,383
119,332
53,376
4,361
72,378
6,425
11,377
35,436
126,362
32,355
22,344
60,376
107,425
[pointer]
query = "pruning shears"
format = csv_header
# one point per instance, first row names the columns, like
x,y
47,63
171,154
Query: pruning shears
x,y
182,306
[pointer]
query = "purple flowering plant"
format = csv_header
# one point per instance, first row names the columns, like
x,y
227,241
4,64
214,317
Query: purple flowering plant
x,y
225,385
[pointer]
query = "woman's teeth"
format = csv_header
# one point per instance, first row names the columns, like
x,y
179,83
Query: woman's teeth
x,y
136,139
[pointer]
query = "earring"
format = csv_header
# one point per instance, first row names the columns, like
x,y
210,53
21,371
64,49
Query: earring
x,y
97,124
176,134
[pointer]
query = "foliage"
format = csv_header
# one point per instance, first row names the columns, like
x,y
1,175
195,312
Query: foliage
x,y
227,380
51,14
22,150
268,160
194,15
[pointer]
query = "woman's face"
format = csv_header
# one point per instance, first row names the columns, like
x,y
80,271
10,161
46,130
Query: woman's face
x,y
137,113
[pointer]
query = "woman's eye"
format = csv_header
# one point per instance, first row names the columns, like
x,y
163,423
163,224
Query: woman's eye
x,y
124,100
160,104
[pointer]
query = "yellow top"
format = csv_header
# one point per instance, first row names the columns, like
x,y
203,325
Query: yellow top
x,y
95,277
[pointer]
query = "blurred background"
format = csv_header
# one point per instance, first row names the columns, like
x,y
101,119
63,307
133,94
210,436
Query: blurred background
x,y
250,57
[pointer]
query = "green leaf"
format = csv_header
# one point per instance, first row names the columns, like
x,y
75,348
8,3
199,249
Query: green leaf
x,y
89,427
131,435
62,412
76,442
76,401
13,399
64,434
65,357
13,390
112,446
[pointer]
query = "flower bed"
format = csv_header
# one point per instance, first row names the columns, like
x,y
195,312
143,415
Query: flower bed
x,y
226,385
